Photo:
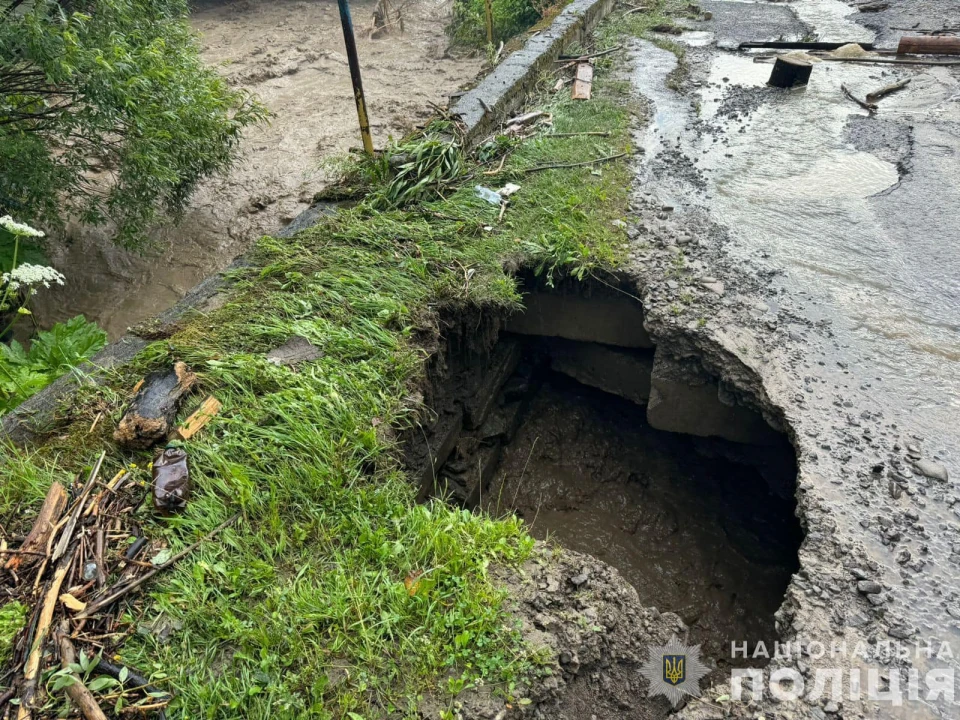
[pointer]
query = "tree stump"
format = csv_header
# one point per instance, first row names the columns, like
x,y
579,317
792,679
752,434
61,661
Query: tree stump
x,y
151,414
789,71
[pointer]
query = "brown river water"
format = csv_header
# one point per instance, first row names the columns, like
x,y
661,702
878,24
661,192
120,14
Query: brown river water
x,y
289,53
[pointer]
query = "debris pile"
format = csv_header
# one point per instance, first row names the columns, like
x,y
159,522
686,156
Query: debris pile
x,y
84,553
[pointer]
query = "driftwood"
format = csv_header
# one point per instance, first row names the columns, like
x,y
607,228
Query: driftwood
x,y
788,71
35,545
132,679
151,414
559,166
116,593
583,82
199,419
887,90
869,107
77,691
66,536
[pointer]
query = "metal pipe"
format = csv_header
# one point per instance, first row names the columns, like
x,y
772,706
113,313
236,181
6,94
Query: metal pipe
x,y
351,44
489,14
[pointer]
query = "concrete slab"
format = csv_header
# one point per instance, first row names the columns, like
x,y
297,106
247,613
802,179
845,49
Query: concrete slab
x,y
620,372
609,320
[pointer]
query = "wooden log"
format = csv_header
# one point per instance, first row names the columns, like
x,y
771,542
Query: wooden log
x,y
788,72
886,90
929,45
584,82
35,545
151,414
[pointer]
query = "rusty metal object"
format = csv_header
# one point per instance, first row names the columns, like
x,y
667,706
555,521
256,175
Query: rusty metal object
x,y
929,45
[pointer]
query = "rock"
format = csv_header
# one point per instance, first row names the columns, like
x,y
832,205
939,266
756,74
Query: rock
x,y
860,573
579,580
901,632
932,469
869,587
831,707
717,288
295,350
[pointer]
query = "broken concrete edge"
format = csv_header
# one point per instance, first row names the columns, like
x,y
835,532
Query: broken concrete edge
x,y
503,90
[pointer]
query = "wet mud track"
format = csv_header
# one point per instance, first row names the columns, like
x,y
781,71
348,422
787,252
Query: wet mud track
x,y
790,236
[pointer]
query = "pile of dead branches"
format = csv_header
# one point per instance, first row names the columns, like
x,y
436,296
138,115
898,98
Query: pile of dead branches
x,y
81,556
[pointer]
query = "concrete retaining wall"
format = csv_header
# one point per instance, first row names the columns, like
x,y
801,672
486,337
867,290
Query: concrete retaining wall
x,y
501,92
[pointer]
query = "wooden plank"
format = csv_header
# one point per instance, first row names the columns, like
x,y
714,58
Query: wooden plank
x,y
196,422
583,83
928,45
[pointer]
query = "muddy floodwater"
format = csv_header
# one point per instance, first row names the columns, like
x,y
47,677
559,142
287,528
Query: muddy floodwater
x,y
289,53
695,534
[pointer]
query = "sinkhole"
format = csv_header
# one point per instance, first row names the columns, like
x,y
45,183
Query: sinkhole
x,y
610,444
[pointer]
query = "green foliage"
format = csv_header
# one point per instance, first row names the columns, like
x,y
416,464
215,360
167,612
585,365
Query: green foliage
x,y
12,617
425,165
52,353
510,17
107,113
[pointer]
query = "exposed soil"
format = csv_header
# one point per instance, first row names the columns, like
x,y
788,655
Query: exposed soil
x,y
290,53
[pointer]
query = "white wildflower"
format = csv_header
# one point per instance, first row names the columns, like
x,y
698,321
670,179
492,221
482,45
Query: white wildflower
x,y
21,229
26,275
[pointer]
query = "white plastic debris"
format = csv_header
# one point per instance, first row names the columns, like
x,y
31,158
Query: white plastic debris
x,y
508,190
489,195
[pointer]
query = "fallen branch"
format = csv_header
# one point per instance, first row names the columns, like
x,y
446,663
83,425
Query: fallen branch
x,y
576,134
77,510
117,593
582,58
869,107
561,166
887,90
36,541
132,679
31,669
77,691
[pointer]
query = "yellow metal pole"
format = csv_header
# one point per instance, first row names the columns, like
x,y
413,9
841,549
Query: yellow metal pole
x,y
351,44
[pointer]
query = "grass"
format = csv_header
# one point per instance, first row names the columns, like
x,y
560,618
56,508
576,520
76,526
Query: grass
x,y
336,594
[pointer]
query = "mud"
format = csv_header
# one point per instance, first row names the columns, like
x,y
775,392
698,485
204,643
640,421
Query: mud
x,y
290,53
819,272
704,538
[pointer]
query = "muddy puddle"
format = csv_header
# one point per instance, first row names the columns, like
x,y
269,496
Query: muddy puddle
x,y
569,417
289,53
